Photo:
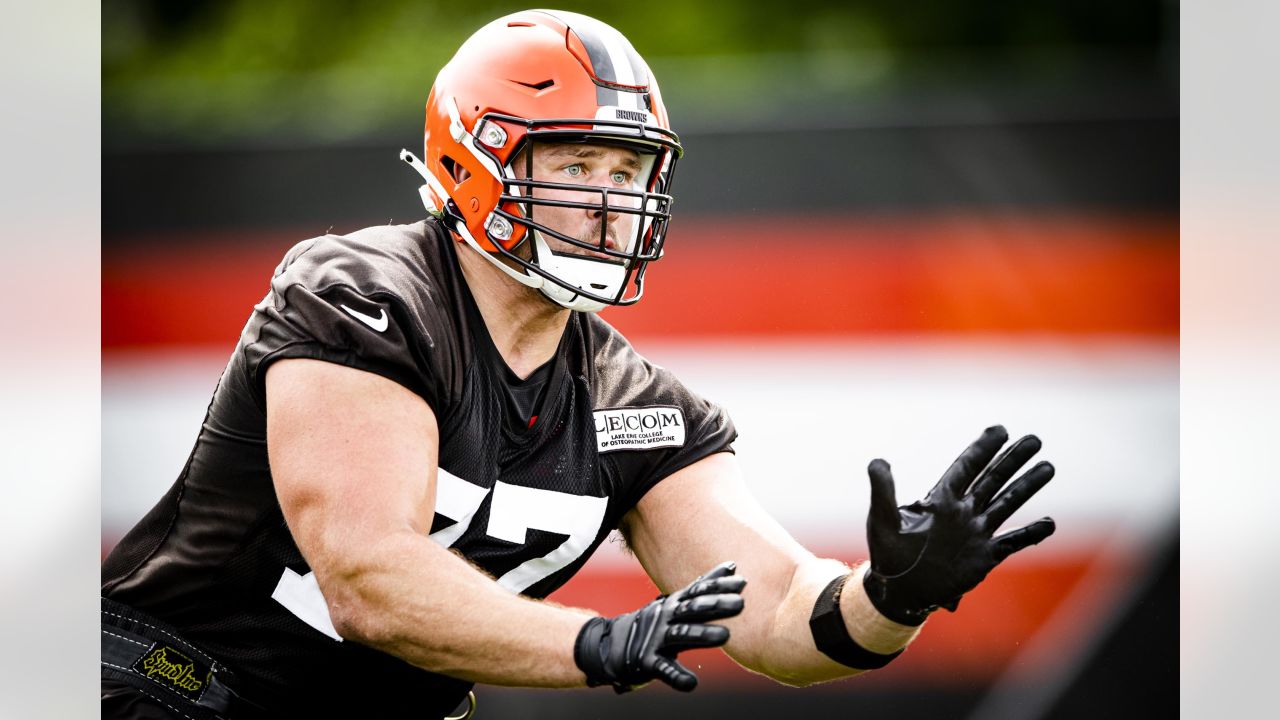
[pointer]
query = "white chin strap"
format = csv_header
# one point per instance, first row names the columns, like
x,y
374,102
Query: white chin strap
x,y
594,275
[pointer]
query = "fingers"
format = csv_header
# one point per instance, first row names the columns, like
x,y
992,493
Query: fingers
x,y
708,607
1024,537
724,569
1004,467
884,503
715,586
674,674
1018,492
685,636
977,456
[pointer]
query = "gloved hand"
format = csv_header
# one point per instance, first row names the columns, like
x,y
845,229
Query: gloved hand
x,y
928,554
629,650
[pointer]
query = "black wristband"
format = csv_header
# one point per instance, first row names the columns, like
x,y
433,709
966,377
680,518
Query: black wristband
x,y
586,651
832,637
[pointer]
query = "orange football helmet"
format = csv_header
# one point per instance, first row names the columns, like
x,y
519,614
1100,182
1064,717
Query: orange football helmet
x,y
555,77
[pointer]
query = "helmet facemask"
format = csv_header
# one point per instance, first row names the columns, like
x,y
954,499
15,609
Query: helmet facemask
x,y
582,271
590,242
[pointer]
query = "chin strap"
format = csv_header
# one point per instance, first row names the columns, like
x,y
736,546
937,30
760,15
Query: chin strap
x,y
576,271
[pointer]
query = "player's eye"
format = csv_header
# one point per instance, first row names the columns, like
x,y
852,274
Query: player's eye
x,y
574,170
621,178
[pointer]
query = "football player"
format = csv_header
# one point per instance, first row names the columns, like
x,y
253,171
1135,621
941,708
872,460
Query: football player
x,y
425,429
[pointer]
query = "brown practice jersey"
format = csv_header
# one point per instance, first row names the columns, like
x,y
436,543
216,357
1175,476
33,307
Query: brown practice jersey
x,y
528,503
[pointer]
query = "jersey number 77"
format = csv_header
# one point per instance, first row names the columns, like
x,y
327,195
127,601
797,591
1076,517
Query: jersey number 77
x,y
513,511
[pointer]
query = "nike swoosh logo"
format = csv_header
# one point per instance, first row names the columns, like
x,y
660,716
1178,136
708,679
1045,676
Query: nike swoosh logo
x,y
379,324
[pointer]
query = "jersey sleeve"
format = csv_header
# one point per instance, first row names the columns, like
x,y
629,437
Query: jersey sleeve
x,y
708,430
352,303
649,425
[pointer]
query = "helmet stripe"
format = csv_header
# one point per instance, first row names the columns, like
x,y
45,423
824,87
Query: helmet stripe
x,y
601,65
613,60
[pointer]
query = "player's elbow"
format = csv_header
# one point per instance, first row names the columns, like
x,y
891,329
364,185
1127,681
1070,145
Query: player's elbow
x,y
792,678
778,671
346,617
797,673
351,612
789,676
353,588
361,616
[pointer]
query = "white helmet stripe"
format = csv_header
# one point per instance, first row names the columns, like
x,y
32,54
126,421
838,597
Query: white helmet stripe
x,y
613,59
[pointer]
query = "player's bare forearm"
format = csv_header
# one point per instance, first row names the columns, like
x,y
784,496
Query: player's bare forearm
x,y
784,649
703,513
465,625
499,638
411,598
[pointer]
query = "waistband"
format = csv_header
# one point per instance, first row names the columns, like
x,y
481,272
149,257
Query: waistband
x,y
154,658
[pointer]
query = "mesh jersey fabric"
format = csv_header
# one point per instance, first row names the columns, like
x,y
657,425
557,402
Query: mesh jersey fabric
x,y
391,300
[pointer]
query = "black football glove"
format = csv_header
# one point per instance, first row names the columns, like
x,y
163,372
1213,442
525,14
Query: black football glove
x,y
928,554
629,650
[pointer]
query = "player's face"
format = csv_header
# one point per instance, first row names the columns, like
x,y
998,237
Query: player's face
x,y
593,165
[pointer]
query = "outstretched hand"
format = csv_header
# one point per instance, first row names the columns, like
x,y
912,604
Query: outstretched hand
x,y
631,649
928,554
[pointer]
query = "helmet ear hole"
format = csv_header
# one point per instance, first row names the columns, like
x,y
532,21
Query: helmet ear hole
x,y
455,170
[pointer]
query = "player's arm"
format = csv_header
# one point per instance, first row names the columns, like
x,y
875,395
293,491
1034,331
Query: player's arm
x,y
809,619
354,460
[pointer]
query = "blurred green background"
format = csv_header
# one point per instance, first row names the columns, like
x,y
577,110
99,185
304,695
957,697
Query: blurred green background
x,y
201,72
287,114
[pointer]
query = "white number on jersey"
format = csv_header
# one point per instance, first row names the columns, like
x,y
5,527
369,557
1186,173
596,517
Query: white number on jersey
x,y
514,511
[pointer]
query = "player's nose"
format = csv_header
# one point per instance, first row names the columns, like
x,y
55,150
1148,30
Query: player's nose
x,y
605,222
